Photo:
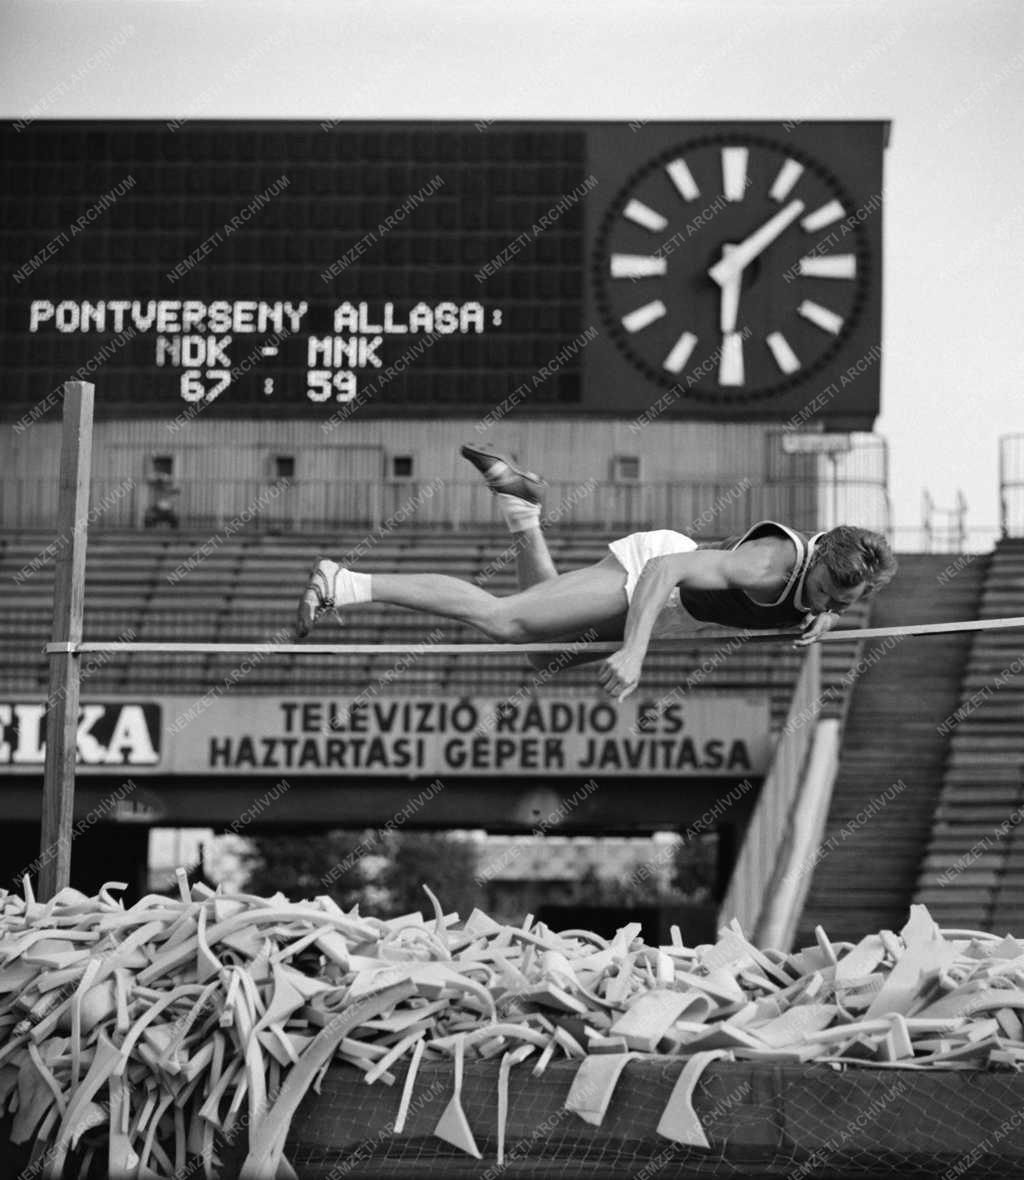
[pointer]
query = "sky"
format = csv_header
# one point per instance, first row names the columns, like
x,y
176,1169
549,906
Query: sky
x,y
949,74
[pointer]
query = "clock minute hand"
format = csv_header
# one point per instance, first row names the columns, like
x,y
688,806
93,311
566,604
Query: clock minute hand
x,y
745,253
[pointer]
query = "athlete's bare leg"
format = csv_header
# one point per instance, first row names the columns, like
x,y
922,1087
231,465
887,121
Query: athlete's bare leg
x,y
528,545
520,496
563,606
534,563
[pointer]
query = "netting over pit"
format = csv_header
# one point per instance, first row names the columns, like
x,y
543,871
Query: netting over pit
x,y
812,1122
808,1122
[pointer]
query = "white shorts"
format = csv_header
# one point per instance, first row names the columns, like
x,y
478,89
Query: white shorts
x,y
633,553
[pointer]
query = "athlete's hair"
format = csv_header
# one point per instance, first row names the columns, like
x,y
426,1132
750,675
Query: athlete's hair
x,y
853,555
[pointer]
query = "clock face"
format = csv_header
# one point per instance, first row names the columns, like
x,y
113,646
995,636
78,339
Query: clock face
x,y
732,268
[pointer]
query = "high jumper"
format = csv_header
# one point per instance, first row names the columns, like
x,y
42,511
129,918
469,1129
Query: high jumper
x,y
650,585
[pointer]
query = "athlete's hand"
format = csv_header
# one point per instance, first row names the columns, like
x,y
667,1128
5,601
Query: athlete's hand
x,y
815,626
620,673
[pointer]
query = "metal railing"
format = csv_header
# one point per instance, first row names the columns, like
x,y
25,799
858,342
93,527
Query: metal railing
x,y
698,507
1011,485
919,539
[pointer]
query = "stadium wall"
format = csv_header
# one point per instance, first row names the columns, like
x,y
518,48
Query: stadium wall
x,y
694,476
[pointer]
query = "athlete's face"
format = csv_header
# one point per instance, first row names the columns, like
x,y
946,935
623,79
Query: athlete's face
x,y
821,593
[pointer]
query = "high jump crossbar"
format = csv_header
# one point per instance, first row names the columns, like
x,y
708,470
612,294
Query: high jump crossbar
x,y
458,649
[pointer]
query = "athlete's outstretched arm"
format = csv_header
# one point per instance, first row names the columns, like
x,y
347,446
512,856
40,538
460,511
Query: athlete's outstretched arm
x,y
702,569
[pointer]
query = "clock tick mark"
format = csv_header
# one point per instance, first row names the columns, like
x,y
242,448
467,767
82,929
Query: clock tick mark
x,y
641,317
785,357
643,215
829,266
682,178
822,317
734,172
823,216
680,353
637,266
789,174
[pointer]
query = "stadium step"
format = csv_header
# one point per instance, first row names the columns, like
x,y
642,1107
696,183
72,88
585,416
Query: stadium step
x,y
973,846
872,845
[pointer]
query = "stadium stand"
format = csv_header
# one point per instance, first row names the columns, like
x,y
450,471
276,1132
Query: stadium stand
x,y
971,876
900,695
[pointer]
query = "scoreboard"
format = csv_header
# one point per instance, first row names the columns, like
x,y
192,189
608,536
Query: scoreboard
x,y
328,270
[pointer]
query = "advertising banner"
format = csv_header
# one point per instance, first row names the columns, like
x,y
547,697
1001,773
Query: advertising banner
x,y
718,734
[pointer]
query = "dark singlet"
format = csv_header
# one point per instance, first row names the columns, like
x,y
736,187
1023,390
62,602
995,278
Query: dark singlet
x,y
735,608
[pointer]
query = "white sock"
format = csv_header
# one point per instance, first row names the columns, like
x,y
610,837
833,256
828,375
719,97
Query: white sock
x,y
362,586
520,515
353,587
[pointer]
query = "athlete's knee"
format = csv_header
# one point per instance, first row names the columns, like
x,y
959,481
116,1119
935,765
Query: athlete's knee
x,y
505,626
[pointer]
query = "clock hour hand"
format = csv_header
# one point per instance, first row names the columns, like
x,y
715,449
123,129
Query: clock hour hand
x,y
730,299
745,253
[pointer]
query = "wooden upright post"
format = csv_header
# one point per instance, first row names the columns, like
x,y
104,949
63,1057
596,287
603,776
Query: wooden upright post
x,y
68,601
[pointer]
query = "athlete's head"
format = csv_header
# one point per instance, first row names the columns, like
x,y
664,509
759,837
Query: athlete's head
x,y
849,564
